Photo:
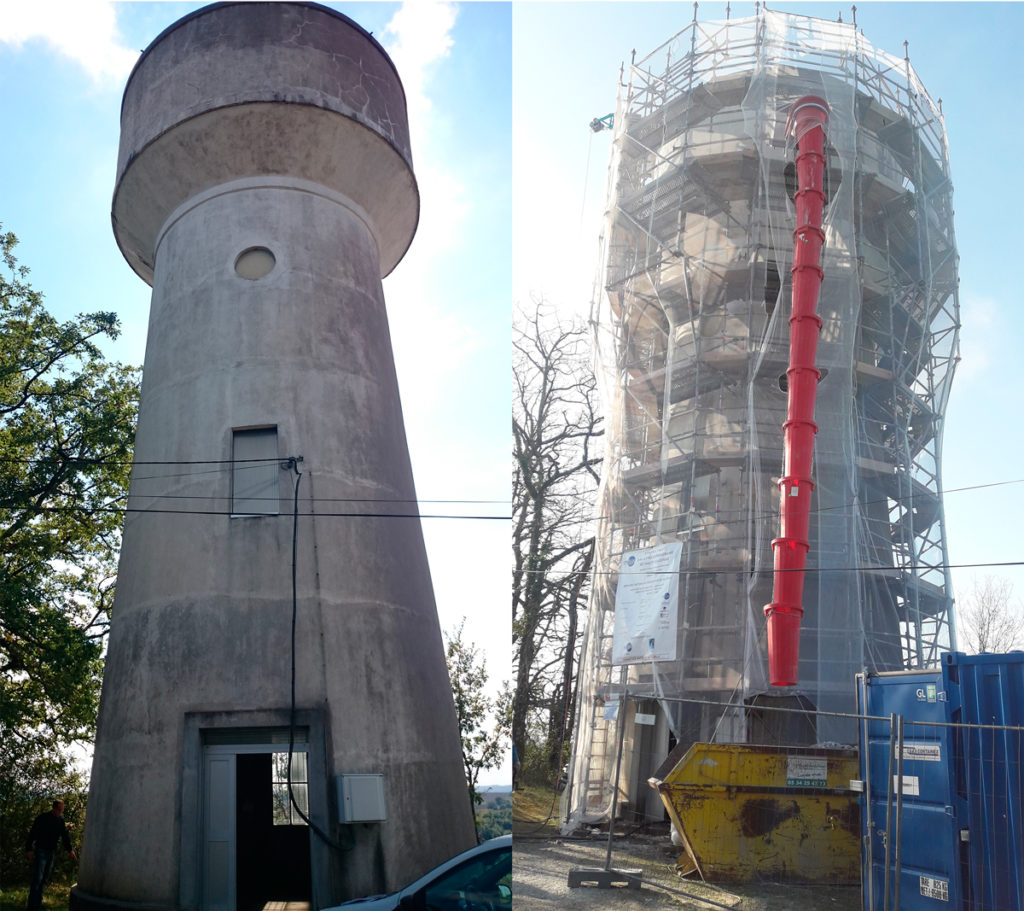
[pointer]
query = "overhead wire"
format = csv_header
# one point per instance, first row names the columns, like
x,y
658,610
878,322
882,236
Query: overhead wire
x,y
808,571
313,501
228,512
231,465
821,509
133,462
260,463
257,463
185,496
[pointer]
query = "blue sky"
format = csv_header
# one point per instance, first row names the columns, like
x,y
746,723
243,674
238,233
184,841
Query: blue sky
x,y
62,74
567,58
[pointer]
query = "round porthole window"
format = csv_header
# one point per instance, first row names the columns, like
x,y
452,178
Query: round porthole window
x,y
254,263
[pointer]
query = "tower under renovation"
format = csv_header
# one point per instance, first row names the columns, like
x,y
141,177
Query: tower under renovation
x,y
276,722
694,338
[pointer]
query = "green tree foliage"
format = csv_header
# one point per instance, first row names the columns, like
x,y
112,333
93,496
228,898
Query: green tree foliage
x,y
494,818
485,722
29,783
67,420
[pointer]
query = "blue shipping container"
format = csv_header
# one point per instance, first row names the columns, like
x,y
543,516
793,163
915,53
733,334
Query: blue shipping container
x,y
930,863
989,690
962,839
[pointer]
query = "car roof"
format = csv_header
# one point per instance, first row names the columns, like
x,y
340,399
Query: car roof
x,y
492,844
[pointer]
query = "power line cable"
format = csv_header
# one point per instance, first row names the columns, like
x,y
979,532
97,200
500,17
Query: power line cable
x,y
261,463
224,512
309,500
816,570
774,514
133,462
255,464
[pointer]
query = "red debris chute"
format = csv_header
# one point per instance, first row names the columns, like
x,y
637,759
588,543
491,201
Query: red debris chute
x,y
808,118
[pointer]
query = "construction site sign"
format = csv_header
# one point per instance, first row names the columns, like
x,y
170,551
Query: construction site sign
x,y
646,605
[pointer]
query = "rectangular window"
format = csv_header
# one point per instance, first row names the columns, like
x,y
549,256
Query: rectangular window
x,y
285,813
254,472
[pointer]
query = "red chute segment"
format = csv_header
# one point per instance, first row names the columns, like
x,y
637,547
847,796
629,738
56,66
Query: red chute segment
x,y
808,117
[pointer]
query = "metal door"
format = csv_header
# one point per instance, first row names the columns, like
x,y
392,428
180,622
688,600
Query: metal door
x,y
912,846
218,829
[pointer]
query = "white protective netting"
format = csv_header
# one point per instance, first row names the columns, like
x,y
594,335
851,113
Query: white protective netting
x,y
693,336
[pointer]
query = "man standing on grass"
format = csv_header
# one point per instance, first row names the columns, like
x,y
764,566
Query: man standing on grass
x,y
41,849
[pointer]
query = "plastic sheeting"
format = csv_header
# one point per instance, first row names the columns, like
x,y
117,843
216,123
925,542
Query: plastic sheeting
x,y
692,333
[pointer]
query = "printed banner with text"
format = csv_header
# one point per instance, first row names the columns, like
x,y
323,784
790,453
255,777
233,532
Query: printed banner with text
x,y
646,601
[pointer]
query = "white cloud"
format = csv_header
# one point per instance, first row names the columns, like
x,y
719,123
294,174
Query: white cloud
x,y
417,36
83,32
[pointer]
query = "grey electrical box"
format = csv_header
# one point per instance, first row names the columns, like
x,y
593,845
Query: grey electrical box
x,y
361,798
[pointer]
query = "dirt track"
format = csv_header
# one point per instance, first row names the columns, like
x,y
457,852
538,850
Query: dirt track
x,y
541,873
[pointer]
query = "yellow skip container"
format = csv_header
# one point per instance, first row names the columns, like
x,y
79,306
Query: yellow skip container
x,y
749,812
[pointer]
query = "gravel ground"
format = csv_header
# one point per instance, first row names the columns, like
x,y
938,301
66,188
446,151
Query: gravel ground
x,y
540,872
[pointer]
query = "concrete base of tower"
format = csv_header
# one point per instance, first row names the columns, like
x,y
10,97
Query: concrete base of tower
x,y
82,901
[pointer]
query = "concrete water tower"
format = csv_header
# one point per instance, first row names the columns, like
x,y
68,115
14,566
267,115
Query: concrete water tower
x,y
264,187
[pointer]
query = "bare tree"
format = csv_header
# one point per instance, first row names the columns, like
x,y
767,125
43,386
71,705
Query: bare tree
x,y
555,424
987,620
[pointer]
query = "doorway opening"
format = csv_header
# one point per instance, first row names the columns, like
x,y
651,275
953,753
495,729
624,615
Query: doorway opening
x,y
256,846
272,842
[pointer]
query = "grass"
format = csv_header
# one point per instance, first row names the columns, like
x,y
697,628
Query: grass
x,y
532,810
55,897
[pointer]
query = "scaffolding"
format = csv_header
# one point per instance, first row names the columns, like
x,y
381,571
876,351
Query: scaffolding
x,y
692,338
